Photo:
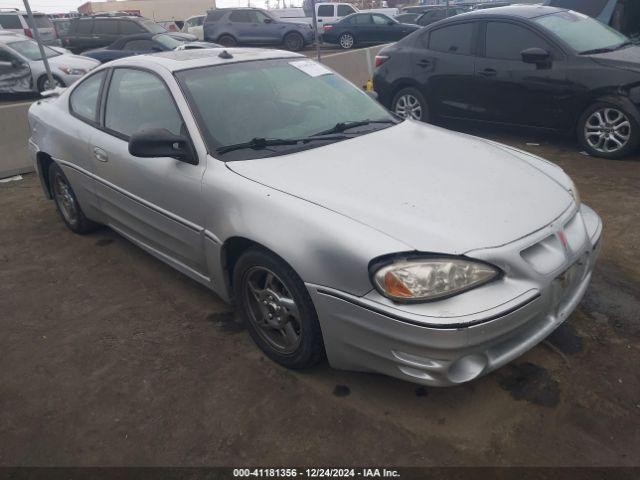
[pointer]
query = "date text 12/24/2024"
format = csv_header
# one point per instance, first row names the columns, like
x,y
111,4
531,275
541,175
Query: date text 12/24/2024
x,y
315,473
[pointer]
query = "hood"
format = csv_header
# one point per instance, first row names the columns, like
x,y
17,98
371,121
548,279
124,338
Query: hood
x,y
626,58
432,189
74,61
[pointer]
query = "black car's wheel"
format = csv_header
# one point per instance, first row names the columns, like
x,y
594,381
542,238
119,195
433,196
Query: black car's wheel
x,y
44,84
67,202
277,309
346,41
607,130
410,103
293,41
227,41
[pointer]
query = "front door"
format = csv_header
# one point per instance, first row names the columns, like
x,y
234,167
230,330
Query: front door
x,y
156,201
518,93
15,75
444,64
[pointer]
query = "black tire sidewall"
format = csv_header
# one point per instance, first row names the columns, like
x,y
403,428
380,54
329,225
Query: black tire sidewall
x,y
83,224
299,44
416,93
232,41
42,80
633,142
311,348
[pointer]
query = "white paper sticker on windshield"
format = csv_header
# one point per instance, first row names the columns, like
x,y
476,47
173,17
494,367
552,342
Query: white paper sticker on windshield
x,y
311,68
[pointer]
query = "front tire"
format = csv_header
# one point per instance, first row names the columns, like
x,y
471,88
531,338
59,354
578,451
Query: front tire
x,y
293,41
346,41
277,309
608,130
67,202
410,103
227,41
43,83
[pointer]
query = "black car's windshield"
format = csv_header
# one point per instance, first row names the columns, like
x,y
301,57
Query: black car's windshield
x,y
248,103
29,49
582,33
168,41
153,27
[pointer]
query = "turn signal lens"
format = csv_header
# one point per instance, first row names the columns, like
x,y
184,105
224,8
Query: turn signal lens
x,y
380,59
431,278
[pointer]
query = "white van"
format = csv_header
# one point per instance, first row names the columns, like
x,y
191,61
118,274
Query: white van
x,y
194,26
16,21
326,13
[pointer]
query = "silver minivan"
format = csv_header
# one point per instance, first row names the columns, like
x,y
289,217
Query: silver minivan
x,y
17,21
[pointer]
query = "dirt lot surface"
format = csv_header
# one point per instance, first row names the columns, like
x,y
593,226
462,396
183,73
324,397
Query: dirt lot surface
x,y
109,357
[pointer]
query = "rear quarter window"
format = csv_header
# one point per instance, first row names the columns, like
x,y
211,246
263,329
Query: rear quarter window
x,y
215,15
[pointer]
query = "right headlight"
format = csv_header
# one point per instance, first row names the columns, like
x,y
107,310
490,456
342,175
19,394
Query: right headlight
x,y
425,279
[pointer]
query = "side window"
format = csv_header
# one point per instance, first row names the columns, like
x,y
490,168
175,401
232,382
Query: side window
x,y
325,11
344,10
128,27
363,19
105,27
260,17
241,16
505,41
139,100
455,39
139,45
6,56
10,22
85,26
380,19
84,98
215,15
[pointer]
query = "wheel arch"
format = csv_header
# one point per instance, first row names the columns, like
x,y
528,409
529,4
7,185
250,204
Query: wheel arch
x,y
43,162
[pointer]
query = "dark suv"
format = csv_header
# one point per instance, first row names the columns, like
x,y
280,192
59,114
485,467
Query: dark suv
x,y
95,32
252,26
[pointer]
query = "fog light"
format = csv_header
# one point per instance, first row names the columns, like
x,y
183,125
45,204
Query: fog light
x,y
467,368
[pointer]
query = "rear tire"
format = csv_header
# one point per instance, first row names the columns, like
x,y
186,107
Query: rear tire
x,y
277,309
410,103
346,41
608,130
293,41
227,41
67,202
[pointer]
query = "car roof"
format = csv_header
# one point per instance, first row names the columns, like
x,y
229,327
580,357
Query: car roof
x,y
176,60
520,11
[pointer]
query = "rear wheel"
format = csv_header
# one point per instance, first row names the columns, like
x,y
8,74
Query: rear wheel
x,y
278,310
67,202
607,130
346,41
227,41
293,41
410,103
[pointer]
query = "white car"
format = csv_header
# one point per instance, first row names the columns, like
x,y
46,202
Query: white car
x,y
193,25
16,21
22,68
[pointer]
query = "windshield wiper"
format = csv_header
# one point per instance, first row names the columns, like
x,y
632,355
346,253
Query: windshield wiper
x,y
262,143
344,126
606,49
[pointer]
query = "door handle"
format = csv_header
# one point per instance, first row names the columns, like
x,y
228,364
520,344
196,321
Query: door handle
x,y
100,154
488,72
424,63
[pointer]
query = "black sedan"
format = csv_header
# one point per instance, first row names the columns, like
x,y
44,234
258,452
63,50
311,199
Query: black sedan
x,y
365,28
144,43
532,66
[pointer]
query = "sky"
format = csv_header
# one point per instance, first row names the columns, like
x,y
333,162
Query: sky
x,y
55,6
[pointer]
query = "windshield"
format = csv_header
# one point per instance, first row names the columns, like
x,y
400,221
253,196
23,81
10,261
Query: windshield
x,y
580,32
153,27
168,41
275,99
30,50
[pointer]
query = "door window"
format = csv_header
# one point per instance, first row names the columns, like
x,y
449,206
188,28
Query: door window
x,y
454,39
139,46
344,10
42,21
325,11
85,26
261,17
505,41
242,16
84,99
139,100
10,22
363,19
128,27
105,27
380,19
6,56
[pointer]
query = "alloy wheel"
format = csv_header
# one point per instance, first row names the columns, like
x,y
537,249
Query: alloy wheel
x,y
65,199
408,106
346,40
272,310
607,130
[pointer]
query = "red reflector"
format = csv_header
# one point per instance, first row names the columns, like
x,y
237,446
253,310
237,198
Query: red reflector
x,y
327,27
380,59
28,33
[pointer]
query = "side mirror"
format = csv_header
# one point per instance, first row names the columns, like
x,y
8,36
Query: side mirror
x,y
16,63
159,142
268,20
391,22
535,55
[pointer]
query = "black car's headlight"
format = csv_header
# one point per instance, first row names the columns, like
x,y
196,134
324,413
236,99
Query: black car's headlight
x,y
425,279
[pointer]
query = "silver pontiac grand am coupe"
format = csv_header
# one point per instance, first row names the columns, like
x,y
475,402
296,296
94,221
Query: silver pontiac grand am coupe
x,y
338,230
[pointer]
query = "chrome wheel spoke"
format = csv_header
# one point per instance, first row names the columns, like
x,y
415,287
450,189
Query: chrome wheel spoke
x,y
607,130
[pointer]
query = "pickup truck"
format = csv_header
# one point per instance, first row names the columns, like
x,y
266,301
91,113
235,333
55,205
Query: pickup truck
x,y
326,13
